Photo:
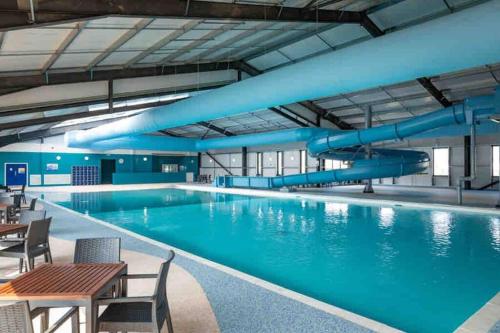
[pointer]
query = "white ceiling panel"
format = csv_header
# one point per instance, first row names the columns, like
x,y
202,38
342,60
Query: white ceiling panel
x,y
74,60
33,40
169,23
268,60
145,39
114,22
343,34
25,62
95,39
305,47
119,58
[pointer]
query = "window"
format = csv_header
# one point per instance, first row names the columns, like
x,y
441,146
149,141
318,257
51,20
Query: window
x,y
334,164
169,168
495,154
303,161
279,166
441,161
259,164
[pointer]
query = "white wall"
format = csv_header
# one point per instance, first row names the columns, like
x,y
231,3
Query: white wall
x,y
291,161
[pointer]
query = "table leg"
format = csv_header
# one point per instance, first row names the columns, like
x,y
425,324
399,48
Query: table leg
x,y
75,322
90,317
44,320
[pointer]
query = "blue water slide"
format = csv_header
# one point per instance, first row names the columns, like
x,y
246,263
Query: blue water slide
x,y
349,145
458,41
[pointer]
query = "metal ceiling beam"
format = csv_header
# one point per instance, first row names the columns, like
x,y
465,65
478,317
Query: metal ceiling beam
x,y
287,116
36,80
215,128
13,14
434,91
370,26
324,114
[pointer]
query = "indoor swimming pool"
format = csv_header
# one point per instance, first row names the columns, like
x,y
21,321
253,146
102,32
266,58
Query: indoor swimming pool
x,y
414,269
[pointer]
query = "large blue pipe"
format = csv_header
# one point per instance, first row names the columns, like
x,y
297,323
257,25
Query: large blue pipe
x,y
454,42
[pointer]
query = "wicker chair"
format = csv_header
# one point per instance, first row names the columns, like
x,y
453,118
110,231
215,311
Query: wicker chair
x,y
25,217
97,251
36,243
139,314
16,318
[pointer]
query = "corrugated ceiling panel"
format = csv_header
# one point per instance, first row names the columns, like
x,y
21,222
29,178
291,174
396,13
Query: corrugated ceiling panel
x,y
145,39
268,60
73,60
25,62
305,47
95,39
114,22
119,58
406,11
33,40
343,34
169,23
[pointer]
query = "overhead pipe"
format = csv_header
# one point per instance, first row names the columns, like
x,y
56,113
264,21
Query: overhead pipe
x,y
454,42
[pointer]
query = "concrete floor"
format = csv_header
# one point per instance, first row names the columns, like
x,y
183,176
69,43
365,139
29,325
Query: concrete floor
x,y
190,309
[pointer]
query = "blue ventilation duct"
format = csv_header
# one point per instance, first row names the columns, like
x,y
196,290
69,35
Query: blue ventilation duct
x,y
328,144
458,41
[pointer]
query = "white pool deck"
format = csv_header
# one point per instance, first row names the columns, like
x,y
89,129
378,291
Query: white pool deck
x,y
442,198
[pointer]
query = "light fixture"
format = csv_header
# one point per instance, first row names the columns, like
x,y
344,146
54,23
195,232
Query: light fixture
x,y
292,158
495,118
210,161
121,161
270,158
86,158
58,157
145,159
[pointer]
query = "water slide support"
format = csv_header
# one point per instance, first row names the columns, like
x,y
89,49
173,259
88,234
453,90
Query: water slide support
x,y
368,124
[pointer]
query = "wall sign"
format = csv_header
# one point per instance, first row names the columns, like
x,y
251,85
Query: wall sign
x,y
52,166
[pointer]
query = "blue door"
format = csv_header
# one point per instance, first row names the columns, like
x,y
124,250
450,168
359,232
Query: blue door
x,y
16,174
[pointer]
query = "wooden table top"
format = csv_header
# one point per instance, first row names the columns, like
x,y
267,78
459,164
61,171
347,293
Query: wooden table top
x,y
7,229
61,281
4,205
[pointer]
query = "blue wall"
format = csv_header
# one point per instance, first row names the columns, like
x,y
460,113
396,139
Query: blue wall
x,y
37,162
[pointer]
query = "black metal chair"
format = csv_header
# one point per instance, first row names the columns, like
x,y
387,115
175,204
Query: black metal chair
x,y
97,251
17,318
36,243
25,217
139,314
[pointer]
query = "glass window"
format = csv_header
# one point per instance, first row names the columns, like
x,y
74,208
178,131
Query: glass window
x,y
303,161
334,164
170,168
259,164
441,161
279,170
496,160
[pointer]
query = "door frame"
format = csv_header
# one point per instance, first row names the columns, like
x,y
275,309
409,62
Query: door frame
x,y
5,172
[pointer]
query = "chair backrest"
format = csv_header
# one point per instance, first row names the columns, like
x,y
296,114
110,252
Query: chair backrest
x,y
23,188
33,203
6,200
97,251
17,200
26,216
37,234
15,318
160,293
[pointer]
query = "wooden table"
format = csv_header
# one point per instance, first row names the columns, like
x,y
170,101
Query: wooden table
x,y
7,229
65,285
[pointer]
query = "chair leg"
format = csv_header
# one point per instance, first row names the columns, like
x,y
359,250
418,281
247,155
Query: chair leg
x,y
75,322
31,264
21,263
169,321
44,320
49,255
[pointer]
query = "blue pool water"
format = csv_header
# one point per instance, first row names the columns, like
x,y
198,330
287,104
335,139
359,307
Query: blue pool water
x,y
416,270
